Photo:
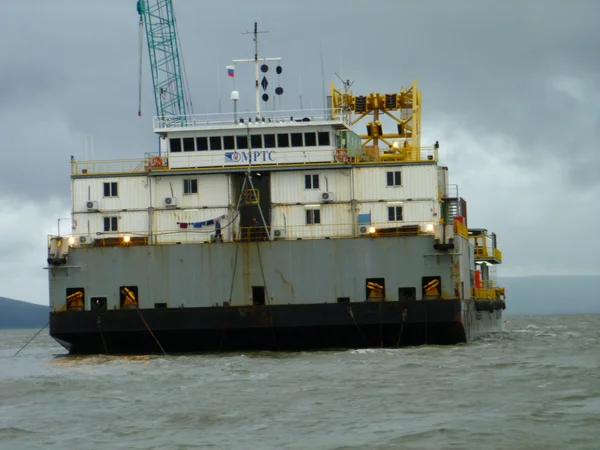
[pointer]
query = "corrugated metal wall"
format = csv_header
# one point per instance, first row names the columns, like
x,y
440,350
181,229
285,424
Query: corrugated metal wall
x,y
418,182
289,187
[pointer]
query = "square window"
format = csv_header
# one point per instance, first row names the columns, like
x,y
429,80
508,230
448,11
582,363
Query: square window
x,y
324,138
256,141
215,143
188,145
201,144
190,186
310,139
311,181
110,189
241,142
175,144
111,223
394,213
296,139
313,216
269,140
283,140
394,178
228,142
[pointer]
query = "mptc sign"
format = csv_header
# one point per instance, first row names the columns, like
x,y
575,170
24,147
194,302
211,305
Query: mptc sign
x,y
254,157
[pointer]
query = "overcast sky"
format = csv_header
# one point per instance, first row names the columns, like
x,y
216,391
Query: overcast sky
x,y
510,89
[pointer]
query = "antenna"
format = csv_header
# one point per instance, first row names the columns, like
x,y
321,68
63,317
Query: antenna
x,y
264,68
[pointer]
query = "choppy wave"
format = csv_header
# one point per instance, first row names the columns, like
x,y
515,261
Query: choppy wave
x,y
534,386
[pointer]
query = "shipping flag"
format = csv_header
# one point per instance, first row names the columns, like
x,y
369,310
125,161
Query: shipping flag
x,y
230,70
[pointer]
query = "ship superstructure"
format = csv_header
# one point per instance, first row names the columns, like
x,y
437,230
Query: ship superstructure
x,y
285,232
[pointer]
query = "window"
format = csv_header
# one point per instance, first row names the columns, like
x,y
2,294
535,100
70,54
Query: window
x,y
76,299
394,213
269,140
256,141
128,296
110,189
201,144
111,224
407,294
313,216
310,139
98,303
188,145
241,142
324,138
296,139
258,295
215,143
283,140
375,289
311,181
160,305
228,142
190,186
394,178
175,144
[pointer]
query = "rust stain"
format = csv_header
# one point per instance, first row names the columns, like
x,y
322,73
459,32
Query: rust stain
x,y
286,282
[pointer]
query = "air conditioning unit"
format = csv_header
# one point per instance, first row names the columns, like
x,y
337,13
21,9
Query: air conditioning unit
x,y
85,240
91,205
363,229
327,196
171,201
278,233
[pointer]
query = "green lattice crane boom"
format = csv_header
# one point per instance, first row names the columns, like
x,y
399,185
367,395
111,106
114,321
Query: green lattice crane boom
x,y
166,63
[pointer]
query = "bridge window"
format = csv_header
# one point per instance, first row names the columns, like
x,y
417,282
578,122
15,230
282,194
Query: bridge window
x,y
188,145
296,139
269,140
283,140
311,181
324,138
175,144
241,142
215,143
111,223
190,186
394,213
394,178
110,189
256,141
310,139
228,142
313,216
201,144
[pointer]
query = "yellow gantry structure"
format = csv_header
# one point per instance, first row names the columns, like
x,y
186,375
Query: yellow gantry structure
x,y
404,107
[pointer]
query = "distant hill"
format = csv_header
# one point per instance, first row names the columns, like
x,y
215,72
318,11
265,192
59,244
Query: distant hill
x,y
18,314
541,295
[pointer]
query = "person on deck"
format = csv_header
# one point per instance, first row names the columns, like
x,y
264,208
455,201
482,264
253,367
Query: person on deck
x,y
218,235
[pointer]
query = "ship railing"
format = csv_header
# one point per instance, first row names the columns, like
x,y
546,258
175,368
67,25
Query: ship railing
x,y
138,165
250,118
199,161
372,154
196,232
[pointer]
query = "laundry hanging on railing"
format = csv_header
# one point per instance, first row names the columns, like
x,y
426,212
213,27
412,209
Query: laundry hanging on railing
x,y
206,223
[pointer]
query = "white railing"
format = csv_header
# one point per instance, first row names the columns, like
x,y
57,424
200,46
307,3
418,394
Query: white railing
x,y
246,118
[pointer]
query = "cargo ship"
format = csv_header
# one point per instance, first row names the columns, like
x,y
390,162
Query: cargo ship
x,y
274,230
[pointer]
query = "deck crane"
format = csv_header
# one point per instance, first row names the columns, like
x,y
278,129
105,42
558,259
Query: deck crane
x,y
171,93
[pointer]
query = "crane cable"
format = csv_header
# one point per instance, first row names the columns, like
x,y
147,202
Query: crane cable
x,y
141,35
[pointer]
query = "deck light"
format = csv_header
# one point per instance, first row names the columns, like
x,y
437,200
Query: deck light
x,y
126,239
71,240
372,230
429,228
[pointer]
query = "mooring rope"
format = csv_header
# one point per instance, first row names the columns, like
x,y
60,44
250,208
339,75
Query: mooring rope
x,y
19,351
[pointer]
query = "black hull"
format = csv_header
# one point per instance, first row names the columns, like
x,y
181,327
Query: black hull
x,y
276,328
